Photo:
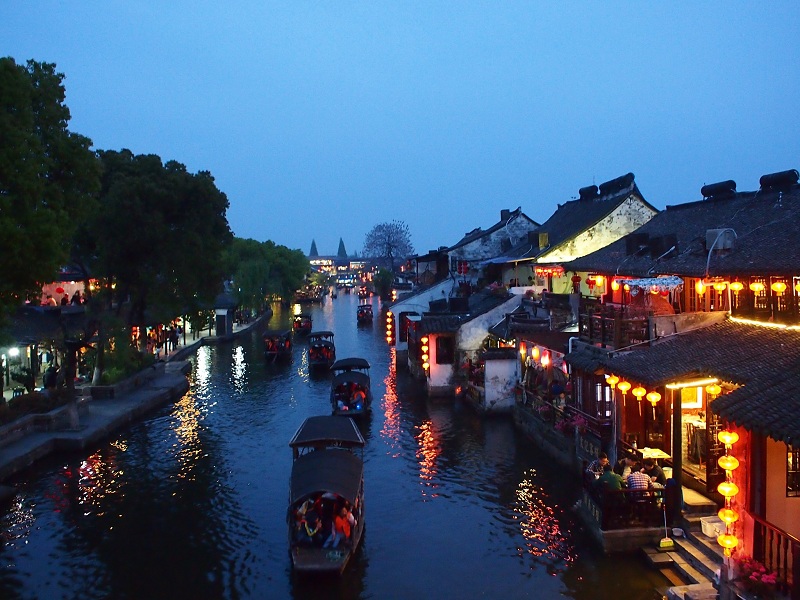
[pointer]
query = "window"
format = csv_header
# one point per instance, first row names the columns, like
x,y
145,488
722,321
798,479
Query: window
x,y
793,471
445,350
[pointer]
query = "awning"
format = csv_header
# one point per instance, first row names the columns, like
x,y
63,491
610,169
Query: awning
x,y
669,283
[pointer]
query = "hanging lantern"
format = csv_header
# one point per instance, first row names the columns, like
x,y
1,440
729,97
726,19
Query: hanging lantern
x,y
598,280
713,390
623,386
757,287
664,292
728,542
612,381
728,438
736,287
728,515
728,489
639,392
545,360
535,353
720,286
654,289
626,287
590,283
797,287
700,287
779,287
728,462
653,398
615,285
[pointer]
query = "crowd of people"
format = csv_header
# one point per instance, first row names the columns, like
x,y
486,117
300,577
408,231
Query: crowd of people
x,y
628,473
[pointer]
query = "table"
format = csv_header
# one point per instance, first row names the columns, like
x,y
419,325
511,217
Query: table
x,y
654,453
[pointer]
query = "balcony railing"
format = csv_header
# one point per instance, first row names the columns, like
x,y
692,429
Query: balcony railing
x,y
778,551
610,327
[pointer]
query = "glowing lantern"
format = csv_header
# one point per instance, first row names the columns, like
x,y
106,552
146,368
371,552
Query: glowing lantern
x,y
545,360
713,390
626,287
639,392
729,438
623,387
615,284
720,286
728,515
653,398
757,287
664,293
736,287
598,280
728,542
728,489
797,287
522,348
612,381
535,353
700,287
728,462
778,287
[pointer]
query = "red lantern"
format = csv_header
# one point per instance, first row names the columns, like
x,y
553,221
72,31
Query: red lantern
x,y
59,290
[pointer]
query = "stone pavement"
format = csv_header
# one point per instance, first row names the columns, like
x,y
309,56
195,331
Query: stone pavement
x,y
98,419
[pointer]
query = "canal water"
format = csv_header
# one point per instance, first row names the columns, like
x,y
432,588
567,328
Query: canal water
x,y
190,502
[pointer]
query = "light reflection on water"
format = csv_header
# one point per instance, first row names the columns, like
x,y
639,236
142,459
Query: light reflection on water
x,y
190,502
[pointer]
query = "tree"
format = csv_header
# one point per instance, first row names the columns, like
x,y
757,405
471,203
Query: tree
x,y
387,241
48,179
173,261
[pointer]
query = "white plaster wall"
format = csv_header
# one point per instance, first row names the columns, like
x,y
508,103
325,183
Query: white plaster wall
x,y
440,375
628,216
501,378
472,333
419,303
781,511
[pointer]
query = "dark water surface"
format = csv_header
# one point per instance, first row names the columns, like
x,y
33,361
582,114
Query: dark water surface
x,y
190,502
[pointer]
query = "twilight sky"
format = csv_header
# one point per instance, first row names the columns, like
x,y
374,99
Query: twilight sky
x,y
321,119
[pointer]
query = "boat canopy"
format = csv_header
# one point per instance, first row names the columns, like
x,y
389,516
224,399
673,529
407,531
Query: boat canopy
x,y
277,333
349,364
356,377
327,430
334,470
320,334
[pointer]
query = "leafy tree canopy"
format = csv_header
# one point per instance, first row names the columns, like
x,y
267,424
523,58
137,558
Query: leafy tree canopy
x,y
48,179
261,269
159,233
387,242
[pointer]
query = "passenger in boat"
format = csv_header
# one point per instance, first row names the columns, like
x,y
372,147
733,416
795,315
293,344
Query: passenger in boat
x,y
340,529
309,533
359,396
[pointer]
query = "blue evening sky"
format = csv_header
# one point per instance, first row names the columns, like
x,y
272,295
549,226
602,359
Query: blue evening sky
x,y
321,119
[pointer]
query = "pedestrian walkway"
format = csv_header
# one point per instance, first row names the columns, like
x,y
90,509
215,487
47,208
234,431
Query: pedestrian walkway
x,y
89,421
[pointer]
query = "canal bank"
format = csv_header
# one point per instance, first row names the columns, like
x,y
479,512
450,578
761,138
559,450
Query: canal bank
x,y
101,410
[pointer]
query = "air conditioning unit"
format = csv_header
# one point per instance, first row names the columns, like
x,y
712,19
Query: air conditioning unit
x,y
720,239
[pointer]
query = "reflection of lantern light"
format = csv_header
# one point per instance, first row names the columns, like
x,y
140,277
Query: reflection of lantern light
x,y
612,381
757,287
639,392
729,438
728,489
728,541
653,398
736,287
713,390
720,286
728,515
615,284
700,287
728,462
778,287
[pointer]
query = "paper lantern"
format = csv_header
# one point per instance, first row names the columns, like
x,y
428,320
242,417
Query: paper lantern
x,y
713,390
639,392
728,542
700,287
729,438
623,386
728,462
778,287
653,398
612,380
757,287
728,515
720,286
736,287
615,284
728,489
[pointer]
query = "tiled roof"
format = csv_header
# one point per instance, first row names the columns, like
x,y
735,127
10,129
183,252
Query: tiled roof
x,y
764,361
478,233
479,303
766,226
576,216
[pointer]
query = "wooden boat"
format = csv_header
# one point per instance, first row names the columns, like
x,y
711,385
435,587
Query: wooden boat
x,y
278,345
363,292
351,393
327,474
302,324
321,349
364,314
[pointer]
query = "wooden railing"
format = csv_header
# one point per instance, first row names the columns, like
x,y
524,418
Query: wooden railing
x,y
609,327
778,551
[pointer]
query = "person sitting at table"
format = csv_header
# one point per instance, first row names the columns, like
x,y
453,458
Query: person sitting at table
x,y
610,485
595,468
638,480
624,466
654,472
